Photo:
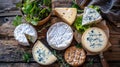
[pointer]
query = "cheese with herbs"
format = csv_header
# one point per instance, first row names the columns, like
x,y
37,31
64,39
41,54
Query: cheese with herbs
x,y
25,33
90,16
67,14
59,35
94,39
42,54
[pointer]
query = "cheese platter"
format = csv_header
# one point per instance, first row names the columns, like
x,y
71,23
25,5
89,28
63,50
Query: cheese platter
x,y
76,39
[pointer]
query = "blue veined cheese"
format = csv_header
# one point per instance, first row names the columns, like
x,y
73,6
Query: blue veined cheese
x,y
42,54
24,33
94,39
90,16
59,35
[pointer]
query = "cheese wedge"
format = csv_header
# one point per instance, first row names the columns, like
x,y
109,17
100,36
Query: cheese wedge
x,y
90,16
42,54
67,14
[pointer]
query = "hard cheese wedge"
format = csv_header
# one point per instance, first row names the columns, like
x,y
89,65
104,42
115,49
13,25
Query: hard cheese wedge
x,y
22,30
67,14
90,16
94,39
42,54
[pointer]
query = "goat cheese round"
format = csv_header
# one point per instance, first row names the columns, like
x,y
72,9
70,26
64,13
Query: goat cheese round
x,y
59,36
94,39
42,54
25,33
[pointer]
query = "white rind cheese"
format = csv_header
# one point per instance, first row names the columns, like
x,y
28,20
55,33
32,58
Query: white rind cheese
x,y
67,14
22,30
94,39
42,54
59,36
90,16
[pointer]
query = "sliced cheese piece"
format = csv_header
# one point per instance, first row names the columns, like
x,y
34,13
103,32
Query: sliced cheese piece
x,y
90,16
67,14
94,39
22,30
59,35
42,54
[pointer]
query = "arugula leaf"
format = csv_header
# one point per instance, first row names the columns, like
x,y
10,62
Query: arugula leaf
x,y
97,8
17,21
78,24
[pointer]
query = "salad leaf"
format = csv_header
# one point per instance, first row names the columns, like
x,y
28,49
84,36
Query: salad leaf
x,y
95,7
78,24
17,21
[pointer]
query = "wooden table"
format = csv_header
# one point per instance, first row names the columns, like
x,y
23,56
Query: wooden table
x,y
11,52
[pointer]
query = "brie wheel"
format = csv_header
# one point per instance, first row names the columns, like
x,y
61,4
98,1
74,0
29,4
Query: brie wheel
x,y
22,30
59,36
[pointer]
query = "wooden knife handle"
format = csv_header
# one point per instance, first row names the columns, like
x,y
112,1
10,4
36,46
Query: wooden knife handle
x,y
104,62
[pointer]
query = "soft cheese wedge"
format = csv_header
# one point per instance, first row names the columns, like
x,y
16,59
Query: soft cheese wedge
x,y
25,33
42,54
67,14
94,39
90,16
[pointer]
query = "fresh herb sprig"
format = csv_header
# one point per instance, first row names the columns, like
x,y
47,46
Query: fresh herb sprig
x,y
26,57
61,60
17,20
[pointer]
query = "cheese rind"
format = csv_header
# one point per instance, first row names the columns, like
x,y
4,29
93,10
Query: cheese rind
x,y
94,39
59,36
22,30
90,16
67,14
42,54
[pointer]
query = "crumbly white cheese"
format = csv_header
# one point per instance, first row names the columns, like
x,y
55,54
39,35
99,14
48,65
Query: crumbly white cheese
x,y
94,39
67,14
22,30
90,16
59,36
42,54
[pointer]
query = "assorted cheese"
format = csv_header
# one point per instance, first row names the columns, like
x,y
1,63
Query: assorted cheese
x,y
59,36
67,14
25,33
94,39
90,16
42,54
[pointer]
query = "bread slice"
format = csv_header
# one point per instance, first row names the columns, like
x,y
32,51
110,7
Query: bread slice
x,y
66,14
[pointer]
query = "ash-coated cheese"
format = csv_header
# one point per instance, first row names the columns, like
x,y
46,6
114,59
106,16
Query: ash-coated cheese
x,y
94,39
90,16
24,33
42,54
67,14
59,35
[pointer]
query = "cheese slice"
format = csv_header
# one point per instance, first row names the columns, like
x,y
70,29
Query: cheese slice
x,y
90,16
59,36
25,33
67,14
42,54
94,39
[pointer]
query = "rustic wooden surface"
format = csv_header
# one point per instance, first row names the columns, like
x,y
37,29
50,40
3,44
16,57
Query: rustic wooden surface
x,y
11,52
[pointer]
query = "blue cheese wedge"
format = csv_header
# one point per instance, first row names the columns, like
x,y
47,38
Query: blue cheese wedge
x,y
59,36
94,39
90,16
67,14
42,54
25,33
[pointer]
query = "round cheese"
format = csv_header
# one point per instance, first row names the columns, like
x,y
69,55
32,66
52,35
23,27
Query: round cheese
x,y
25,33
75,56
94,39
42,54
59,36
